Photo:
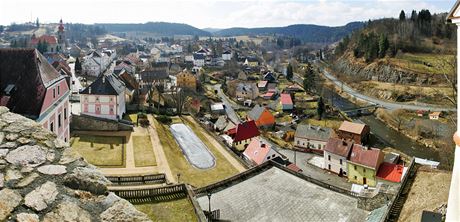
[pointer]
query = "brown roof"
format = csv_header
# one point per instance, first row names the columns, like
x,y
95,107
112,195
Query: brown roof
x,y
356,128
452,11
365,156
338,147
24,76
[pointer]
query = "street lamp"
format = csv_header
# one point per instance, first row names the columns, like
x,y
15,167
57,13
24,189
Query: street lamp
x,y
209,211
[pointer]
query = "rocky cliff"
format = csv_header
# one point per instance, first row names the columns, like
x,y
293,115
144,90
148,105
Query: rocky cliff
x,y
383,72
42,179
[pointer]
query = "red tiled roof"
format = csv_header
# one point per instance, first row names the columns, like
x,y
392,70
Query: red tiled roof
x,y
338,147
391,172
365,156
245,131
257,151
286,99
44,38
294,167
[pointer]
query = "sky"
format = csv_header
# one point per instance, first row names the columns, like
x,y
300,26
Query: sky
x,y
216,13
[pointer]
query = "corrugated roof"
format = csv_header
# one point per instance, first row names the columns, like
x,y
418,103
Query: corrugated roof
x,y
313,132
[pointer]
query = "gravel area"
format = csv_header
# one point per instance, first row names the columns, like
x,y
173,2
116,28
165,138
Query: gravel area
x,y
193,148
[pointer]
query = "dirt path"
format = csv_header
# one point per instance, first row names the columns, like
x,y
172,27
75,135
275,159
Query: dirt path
x,y
162,162
235,163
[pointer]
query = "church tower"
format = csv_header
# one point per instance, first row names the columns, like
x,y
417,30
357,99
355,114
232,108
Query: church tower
x,y
61,37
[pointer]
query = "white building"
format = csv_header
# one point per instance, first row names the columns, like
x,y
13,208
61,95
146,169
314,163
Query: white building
x,y
336,154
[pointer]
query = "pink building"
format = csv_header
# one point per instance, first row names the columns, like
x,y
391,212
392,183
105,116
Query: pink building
x,y
104,98
30,86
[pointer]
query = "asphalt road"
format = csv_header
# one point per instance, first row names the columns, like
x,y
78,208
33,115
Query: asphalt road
x,y
229,105
388,105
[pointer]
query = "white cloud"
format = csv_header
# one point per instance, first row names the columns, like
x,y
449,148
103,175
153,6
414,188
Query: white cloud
x,y
217,13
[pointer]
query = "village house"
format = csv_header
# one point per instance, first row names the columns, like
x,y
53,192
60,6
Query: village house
x,y
262,116
269,77
359,133
151,78
30,86
363,164
198,60
435,115
104,98
262,85
336,154
312,137
251,62
259,152
243,133
286,102
217,108
227,55
247,91
186,80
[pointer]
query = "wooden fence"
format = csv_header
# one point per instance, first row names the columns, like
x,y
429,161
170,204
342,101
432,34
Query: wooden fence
x,y
138,180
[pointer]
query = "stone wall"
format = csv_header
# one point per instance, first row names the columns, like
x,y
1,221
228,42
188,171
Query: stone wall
x,y
42,179
91,123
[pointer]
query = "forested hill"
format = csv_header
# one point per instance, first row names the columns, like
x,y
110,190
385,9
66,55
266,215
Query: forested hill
x,y
160,28
415,33
306,33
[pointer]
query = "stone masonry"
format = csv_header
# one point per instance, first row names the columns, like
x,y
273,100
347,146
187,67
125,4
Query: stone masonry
x,y
42,179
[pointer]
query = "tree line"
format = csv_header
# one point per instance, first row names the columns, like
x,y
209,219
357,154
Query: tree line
x,y
385,37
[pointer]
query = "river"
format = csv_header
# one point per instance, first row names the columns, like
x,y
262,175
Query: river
x,y
386,135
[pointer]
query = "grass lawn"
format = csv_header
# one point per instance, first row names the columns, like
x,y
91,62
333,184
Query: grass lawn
x,y
179,164
131,117
176,210
143,151
102,151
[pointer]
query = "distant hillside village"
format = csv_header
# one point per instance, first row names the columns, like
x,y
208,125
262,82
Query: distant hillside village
x,y
240,122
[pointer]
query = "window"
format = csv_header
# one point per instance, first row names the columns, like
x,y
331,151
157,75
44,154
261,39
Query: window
x,y
54,93
97,98
356,177
355,168
52,127
298,142
329,166
273,156
65,113
340,161
329,157
59,90
268,157
364,170
59,121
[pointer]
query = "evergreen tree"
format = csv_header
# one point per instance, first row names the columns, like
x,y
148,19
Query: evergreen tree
x,y
78,65
308,81
402,16
289,72
384,44
320,108
413,16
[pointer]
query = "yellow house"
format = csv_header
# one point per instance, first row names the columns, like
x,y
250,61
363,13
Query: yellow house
x,y
186,80
251,61
363,165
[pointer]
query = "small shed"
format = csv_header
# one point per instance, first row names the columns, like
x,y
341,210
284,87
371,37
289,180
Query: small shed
x,y
435,115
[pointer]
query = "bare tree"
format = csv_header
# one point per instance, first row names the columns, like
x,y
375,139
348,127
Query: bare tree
x,y
398,118
448,66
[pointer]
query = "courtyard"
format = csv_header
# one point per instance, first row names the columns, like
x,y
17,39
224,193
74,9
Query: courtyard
x,y
101,151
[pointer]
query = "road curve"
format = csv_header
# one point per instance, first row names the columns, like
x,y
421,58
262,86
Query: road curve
x,y
388,105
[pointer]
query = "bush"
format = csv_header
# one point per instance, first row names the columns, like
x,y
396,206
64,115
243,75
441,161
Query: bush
x,y
164,119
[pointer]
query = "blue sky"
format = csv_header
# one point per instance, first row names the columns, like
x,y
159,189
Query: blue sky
x,y
217,13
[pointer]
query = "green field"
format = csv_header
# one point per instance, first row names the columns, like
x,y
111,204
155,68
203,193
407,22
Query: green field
x,y
143,151
102,151
175,210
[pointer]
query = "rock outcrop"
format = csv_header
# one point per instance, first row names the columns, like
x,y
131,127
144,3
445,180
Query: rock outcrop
x,y
42,179
384,73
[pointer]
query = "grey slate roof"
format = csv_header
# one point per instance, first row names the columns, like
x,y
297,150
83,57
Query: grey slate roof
x,y
313,132
198,56
111,86
154,75
256,112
